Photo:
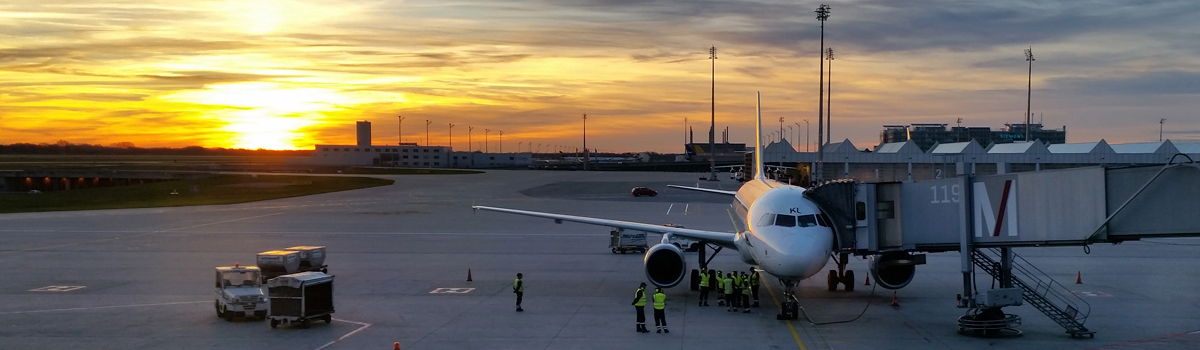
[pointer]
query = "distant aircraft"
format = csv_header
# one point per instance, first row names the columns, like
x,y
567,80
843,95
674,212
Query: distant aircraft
x,y
780,230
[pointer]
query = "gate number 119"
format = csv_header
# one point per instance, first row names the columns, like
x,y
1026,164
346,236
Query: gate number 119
x,y
945,193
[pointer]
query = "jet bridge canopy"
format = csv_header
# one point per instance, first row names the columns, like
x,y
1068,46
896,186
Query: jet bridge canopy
x,y
1076,206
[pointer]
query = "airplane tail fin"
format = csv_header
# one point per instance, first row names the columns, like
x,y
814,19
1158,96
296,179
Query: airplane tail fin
x,y
758,146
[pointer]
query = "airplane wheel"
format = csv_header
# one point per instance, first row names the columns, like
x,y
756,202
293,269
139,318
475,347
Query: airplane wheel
x,y
274,323
848,280
833,280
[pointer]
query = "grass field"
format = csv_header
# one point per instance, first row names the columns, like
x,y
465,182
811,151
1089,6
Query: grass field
x,y
226,189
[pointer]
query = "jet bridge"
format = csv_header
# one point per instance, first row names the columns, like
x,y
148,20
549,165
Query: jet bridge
x,y
989,215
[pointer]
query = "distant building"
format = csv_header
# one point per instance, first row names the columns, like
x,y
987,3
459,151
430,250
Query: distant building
x,y
725,152
927,135
406,155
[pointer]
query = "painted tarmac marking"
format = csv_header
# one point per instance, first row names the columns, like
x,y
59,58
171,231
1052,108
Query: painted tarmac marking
x,y
361,327
101,307
771,291
1143,341
1092,294
669,208
451,290
134,236
57,288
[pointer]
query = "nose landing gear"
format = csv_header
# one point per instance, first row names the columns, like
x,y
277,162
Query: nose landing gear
x,y
790,310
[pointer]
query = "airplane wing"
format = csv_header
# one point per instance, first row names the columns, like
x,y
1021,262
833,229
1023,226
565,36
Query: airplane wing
x,y
720,238
710,190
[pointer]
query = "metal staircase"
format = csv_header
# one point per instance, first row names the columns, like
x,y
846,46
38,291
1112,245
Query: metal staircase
x,y
1040,291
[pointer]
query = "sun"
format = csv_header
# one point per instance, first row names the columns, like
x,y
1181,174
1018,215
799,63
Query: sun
x,y
265,115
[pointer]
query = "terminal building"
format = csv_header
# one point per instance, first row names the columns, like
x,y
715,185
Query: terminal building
x,y
927,135
406,155
905,161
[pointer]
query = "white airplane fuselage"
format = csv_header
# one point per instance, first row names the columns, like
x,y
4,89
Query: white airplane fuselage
x,y
782,232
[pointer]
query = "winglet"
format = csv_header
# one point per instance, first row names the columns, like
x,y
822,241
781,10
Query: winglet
x,y
758,147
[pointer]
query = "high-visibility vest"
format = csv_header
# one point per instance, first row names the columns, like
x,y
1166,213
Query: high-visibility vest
x,y
660,301
640,296
754,278
746,285
728,284
737,281
518,286
704,280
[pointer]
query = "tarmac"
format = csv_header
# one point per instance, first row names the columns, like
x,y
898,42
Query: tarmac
x,y
142,278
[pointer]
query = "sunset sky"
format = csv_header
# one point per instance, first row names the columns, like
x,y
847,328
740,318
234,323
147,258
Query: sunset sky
x,y
287,74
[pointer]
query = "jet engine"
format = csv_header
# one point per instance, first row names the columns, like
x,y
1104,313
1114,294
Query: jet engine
x,y
895,270
665,266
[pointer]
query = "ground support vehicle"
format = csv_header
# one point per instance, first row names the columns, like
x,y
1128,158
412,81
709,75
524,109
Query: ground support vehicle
x,y
300,298
239,293
627,241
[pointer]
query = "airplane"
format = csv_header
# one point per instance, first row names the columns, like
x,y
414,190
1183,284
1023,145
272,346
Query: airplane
x,y
778,229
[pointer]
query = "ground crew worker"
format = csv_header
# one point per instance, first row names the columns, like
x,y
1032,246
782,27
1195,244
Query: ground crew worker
x,y
703,287
745,292
720,288
728,284
736,297
660,316
639,303
754,285
519,288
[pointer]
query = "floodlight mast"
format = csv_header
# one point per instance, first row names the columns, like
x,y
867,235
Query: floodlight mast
x,y
829,95
712,129
822,15
1029,92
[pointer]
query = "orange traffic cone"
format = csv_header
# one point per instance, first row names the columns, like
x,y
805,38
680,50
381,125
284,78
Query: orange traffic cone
x,y
867,281
468,280
396,346
1078,277
895,299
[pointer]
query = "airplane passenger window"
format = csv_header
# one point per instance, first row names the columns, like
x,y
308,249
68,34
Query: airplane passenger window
x,y
809,220
785,220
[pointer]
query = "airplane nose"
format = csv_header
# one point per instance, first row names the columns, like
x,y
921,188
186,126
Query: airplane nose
x,y
805,255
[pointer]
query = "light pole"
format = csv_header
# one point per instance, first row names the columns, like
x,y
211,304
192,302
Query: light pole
x,y
780,128
791,132
400,129
585,150
712,129
451,136
1029,93
539,149
1160,128
427,122
469,144
485,142
822,15
500,143
829,96
807,135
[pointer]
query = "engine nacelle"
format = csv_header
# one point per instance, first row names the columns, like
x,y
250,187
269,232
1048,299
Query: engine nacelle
x,y
665,265
895,270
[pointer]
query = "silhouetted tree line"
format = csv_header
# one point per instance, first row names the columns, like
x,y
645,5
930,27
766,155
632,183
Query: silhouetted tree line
x,y
127,148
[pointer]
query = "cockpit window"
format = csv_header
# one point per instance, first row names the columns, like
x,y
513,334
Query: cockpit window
x,y
809,220
823,220
785,220
766,220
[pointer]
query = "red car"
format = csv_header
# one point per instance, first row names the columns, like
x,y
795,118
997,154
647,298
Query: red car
x,y
643,191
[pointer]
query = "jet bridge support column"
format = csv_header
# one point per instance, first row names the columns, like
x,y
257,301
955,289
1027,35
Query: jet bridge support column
x,y
965,249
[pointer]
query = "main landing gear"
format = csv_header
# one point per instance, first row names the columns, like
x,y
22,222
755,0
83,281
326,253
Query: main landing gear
x,y
841,275
790,310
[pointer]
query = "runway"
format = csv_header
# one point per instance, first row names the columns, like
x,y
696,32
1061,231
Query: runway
x,y
142,278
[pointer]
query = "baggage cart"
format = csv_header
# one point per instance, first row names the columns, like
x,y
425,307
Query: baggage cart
x,y
300,298
627,241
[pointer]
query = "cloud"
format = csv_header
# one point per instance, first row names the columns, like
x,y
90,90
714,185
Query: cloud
x,y
1153,83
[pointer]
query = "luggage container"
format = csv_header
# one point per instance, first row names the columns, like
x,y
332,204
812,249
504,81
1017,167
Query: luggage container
x,y
312,258
275,263
300,298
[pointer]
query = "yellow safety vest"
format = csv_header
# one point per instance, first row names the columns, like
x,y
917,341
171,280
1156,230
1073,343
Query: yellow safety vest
x,y
754,278
641,301
660,301
746,285
728,283
704,280
518,287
